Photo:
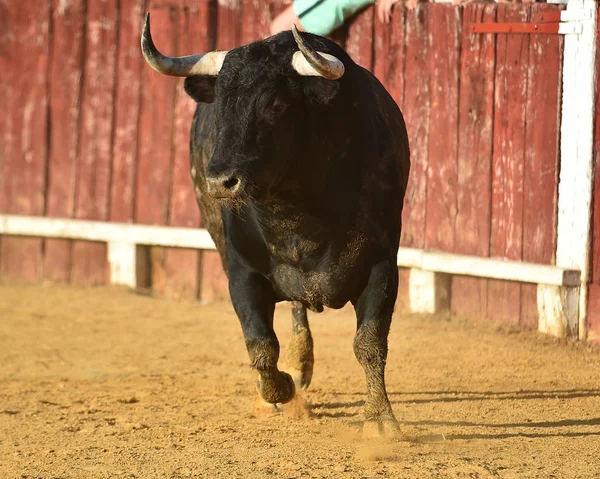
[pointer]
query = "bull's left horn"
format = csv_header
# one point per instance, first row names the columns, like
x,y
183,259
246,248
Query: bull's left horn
x,y
309,62
200,64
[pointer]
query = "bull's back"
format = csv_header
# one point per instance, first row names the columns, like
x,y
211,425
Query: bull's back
x,y
203,137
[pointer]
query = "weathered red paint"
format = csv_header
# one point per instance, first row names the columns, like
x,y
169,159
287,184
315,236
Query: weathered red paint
x,y
68,19
476,111
593,317
389,53
155,138
359,43
510,100
442,149
24,56
416,108
256,22
127,112
229,24
181,265
214,285
541,156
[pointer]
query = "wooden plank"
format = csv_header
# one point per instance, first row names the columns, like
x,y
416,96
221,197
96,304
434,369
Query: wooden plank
x,y
182,275
476,111
359,43
256,22
593,318
229,24
416,107
403,299
214,285
103,231
65,95
389,53
155,137
24,59
90,265
278,6
127,112
213,282
510,99
541,156
442,153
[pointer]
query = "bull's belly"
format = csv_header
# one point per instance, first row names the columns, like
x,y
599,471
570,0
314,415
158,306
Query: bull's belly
x,y
331,288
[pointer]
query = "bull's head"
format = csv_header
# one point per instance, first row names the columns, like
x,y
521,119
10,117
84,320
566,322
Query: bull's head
x,y
262,105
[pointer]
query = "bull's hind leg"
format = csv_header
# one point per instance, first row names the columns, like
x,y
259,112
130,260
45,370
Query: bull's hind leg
x,y
254,303
299,358
374,311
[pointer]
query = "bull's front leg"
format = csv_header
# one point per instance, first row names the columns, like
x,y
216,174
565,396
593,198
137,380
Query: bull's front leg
x,y
254,303
299,358
374,310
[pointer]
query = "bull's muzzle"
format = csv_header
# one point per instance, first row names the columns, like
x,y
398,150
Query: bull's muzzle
x,y
225,186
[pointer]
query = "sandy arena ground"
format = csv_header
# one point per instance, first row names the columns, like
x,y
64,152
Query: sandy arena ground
x,y
105,383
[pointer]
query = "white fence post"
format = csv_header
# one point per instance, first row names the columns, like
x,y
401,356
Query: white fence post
x,y
121,260
576,164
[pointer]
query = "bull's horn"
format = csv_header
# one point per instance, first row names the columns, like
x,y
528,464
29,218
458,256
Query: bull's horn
x,y
201,64
309,62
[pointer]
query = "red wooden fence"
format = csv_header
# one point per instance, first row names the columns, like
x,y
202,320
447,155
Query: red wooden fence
x,y
89,131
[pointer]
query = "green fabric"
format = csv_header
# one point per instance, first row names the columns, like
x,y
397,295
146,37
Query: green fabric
x,y
322,17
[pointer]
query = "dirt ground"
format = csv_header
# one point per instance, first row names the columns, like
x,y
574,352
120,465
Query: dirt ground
x,y
105,383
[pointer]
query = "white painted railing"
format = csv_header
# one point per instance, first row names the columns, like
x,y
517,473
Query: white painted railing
x,y
430,272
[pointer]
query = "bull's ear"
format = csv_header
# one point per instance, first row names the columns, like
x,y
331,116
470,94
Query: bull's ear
x,y
320,91
201,88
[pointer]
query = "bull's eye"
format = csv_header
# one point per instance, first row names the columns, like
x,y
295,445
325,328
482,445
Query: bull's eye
x,y
278,107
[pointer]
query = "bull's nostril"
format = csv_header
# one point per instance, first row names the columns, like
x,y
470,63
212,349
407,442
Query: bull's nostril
x,y
231,183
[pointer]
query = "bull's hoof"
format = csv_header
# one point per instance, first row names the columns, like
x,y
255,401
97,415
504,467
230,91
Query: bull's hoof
x,y
296,408
382,428
299,359
302,377
276,389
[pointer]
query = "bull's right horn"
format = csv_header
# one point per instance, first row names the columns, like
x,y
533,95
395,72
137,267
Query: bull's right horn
x,y
309,62
200,64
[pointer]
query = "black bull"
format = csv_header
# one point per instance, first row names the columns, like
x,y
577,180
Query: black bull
x,y
300,162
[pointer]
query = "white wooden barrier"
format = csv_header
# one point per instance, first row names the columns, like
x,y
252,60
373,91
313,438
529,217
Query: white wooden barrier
x,y
430,272
576,148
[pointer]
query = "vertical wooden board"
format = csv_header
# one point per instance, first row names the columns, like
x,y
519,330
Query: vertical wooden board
x,y
416,107
442,163
256,21
229,24
214,285
359,43
278,6
153,171
529,308
403,300
68,18
24,60
155,139
388,62
593,316
542,134
475,119
510,100
594,275
182,274
90,265
469,296
127,112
